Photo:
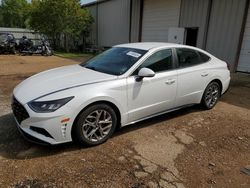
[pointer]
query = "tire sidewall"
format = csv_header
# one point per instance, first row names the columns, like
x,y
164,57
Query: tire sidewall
x,y
204,95
77,128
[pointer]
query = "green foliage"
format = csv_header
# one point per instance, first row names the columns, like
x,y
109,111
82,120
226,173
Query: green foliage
x,y
57,17
60,20
13,13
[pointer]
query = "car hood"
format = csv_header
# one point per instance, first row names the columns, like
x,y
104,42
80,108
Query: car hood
x,y
57,79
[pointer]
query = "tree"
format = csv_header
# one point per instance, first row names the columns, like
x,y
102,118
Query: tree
x,y
13,13
57,18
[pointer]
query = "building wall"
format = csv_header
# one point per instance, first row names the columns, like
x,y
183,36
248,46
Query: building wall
x,y
219,21
244,58
158,17
92,39
20,32
194,13
135,20
224,29
112,22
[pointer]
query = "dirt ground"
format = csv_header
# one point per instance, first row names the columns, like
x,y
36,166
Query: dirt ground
x,y
188,148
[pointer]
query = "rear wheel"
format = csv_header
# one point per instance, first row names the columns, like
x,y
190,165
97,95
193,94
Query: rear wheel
x,y
95,125
211,95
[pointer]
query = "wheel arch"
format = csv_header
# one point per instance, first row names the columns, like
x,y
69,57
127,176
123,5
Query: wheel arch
x,y
213,80
219,82
111,104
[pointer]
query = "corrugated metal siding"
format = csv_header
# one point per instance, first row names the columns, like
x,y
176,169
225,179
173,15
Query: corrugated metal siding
x,y
19,33
194,14
113,22
135,20
224,28
244,60
158,17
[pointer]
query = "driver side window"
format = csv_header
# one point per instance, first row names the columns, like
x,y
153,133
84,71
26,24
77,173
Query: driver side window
x,y
158,62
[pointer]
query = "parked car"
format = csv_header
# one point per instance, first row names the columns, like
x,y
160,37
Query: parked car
x,y
125,84
7,43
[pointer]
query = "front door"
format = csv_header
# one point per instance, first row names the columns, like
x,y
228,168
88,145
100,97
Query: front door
x,y
152,95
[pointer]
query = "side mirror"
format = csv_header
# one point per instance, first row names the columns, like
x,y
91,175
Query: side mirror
x,y
145,72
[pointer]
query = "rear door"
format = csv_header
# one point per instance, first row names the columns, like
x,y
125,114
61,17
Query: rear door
x,y
152,95
193,75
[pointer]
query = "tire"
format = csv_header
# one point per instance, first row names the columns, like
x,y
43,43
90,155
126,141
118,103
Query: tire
x,y
94,125
211,95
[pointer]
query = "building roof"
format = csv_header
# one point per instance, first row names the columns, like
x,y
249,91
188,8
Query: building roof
x,y
148,45
93,3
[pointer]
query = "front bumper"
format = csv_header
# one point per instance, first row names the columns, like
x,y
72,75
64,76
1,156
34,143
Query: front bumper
x,y
46,128
31,138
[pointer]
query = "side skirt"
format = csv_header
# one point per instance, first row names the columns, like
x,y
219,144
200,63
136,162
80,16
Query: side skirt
x,y
158,114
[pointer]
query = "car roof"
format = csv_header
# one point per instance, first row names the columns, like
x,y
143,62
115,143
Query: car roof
x,y
150,45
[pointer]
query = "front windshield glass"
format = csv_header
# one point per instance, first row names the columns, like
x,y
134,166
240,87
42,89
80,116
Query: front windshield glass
x,y
115,61
3,37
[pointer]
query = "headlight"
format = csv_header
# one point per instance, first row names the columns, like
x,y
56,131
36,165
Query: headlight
x,y
48,106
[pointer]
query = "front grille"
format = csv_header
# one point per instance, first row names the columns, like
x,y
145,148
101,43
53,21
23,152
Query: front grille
x,y
19,111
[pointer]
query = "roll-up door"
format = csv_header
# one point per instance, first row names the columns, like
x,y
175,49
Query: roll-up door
x,y
158,17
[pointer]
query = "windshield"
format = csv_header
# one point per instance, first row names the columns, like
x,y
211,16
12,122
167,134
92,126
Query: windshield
x,y
3,37
115,61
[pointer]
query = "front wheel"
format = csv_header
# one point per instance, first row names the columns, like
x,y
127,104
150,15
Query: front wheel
x,y
95,125
211,95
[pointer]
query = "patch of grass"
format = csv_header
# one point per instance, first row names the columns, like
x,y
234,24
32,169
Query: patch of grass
x,y
71,55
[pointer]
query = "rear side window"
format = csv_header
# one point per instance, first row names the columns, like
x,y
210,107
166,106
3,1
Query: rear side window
x,y
159,61
204,57
188,57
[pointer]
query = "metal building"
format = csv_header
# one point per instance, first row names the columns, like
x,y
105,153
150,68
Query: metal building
x,y
19,33
222,27
112,22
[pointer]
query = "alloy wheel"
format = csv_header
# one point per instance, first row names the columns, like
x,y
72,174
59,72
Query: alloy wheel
x,y
212,95
97,125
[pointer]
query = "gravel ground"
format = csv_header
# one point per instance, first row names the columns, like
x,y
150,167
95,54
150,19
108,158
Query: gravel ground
x,y
187,148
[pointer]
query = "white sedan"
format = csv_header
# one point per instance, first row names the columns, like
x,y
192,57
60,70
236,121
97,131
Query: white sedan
x,y
125,84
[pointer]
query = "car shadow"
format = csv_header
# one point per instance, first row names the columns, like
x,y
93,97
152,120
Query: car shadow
x,y
238,93
14,146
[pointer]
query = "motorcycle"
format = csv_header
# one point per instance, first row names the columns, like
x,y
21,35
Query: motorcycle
x,y
27,47
7,43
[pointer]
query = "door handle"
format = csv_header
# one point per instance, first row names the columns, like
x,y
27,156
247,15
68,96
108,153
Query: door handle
x,y
170,81
204,74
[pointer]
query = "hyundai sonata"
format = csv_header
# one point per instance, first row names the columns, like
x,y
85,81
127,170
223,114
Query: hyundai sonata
x,y
125,84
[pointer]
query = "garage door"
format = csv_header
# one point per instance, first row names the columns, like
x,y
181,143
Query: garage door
x,y
158,17
244,60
